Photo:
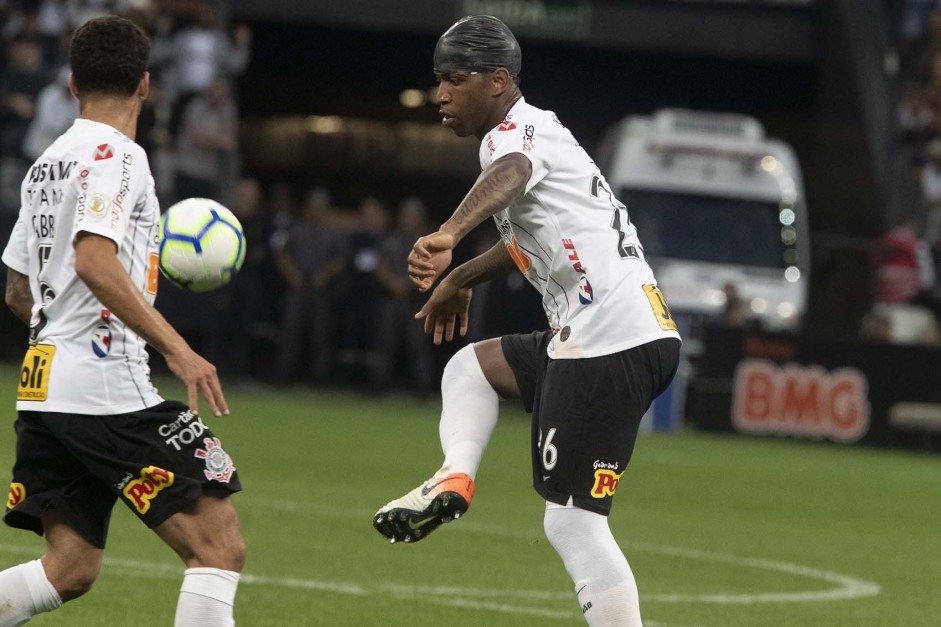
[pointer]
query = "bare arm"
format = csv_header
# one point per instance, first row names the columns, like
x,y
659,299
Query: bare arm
x,y
18,297
494,263
496,187
97,264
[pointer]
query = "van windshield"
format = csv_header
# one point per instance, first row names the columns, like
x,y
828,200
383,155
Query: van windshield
x,y
706,228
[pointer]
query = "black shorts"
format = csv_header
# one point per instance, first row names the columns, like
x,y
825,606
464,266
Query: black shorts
x,y
157,460
586,413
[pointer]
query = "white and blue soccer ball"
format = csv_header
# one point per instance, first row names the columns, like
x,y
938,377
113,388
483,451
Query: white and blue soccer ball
x,y
202,245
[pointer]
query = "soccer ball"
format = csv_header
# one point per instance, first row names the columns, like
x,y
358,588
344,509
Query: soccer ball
x,y
202,245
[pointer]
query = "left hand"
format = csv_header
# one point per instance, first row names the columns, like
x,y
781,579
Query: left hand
x,y
446,308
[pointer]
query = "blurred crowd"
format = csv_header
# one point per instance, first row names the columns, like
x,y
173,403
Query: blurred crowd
x,y
189,124
323,297
906,259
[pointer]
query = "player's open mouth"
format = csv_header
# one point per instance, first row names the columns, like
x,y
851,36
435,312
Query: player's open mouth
x,y
447,119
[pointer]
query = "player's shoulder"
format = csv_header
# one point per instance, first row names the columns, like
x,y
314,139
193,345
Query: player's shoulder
x,y
100,144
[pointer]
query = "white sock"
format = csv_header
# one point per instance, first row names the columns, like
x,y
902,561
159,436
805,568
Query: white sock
x,y
469,409
206,598
24,592
604,583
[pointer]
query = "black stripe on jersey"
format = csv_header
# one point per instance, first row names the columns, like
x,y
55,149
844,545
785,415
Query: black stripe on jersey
x,y
548,273
133,224
555,297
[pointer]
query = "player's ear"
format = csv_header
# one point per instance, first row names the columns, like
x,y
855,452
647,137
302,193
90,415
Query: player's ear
x,y
499,81
73,88
143,88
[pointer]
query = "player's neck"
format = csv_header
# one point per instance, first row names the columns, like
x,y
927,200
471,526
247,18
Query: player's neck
x,y
118,113
508,101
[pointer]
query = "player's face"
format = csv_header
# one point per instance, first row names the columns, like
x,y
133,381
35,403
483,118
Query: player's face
x,y
463,100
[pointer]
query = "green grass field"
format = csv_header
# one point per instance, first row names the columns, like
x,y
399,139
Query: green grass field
x,y
719,530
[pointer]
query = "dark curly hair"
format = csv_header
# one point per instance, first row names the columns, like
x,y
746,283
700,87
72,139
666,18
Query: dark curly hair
x,y
109,56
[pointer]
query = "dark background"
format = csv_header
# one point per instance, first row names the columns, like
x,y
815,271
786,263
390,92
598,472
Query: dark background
x,y
811,72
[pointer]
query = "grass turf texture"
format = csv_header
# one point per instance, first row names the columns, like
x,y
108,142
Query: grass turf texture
x,y
697,516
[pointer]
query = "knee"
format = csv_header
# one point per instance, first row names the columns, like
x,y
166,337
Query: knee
x,y
71,577
221,548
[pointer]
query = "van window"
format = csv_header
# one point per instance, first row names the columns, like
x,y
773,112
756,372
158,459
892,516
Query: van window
x,y
707,228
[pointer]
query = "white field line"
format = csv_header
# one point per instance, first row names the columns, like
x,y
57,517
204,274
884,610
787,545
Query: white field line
x,y
155,570
846,587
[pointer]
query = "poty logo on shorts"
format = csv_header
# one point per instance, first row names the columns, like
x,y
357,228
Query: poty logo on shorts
x,y
17,494
141,492
606,482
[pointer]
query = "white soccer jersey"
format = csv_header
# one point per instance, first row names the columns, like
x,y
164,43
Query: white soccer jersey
x,y
82,359
573,241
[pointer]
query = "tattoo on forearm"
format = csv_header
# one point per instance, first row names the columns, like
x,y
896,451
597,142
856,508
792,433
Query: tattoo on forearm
x,y
492,193
18,295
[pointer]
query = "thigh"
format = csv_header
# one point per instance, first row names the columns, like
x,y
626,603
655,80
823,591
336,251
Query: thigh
x,y
585,424
526,356
157,461
47,476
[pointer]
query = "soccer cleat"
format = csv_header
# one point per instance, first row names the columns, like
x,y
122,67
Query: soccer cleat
x,y
412,517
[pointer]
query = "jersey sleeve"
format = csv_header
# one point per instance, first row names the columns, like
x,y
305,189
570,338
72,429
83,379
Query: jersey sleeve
x,y
16,253
522,136
109,187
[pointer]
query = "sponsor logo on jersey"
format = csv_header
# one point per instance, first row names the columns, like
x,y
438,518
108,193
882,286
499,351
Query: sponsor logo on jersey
x,y
140,492
606,482
529,132
34,373
16,495
219,466
82,194
491,147
586,295
506,125
186,429
520,258
117,207
104,151
101,340
800,400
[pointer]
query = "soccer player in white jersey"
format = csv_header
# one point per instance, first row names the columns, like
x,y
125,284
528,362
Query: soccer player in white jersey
x,y
612,347
91,429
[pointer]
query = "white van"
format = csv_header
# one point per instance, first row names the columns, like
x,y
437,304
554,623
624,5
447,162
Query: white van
x,y
715,202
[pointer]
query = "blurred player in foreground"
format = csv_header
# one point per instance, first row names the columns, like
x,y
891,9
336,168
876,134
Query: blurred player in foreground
x,y
91,428
612,348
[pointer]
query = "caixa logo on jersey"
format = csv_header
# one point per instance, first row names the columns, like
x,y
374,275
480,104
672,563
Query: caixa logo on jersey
x,y
101,340
800,400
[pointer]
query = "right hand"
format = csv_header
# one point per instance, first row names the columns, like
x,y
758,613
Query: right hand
x,y
199,376
430,256
447,307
